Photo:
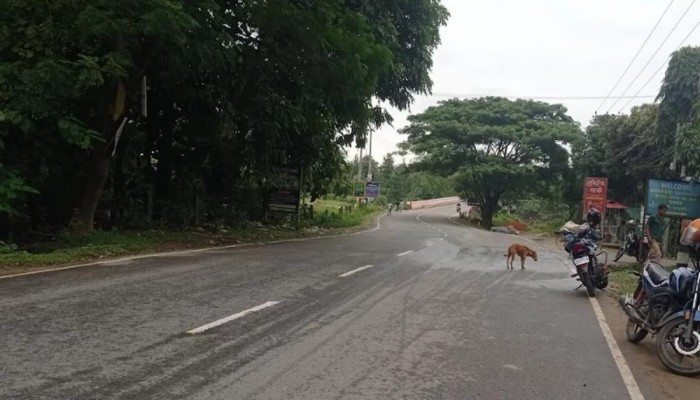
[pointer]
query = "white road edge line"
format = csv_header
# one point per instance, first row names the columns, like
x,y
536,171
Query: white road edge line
x,y
620,362
622,366
230,318
429,244
356,270
404,253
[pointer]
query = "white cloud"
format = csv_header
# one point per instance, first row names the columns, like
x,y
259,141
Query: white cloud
x,y
547,48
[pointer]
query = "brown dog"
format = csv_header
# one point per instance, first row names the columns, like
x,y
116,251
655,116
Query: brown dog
x,y
520,251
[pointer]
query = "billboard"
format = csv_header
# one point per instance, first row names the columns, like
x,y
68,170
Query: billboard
x,y
682,198
372,190
285,195
595,194
358,189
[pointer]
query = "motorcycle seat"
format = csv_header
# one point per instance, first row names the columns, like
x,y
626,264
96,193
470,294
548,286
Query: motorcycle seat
x,y
657,273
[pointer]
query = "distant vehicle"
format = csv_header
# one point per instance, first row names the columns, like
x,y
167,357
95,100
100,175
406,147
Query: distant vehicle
x,y
463,208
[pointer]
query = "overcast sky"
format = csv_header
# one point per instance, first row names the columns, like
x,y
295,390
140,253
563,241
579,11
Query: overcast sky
x,y
543,48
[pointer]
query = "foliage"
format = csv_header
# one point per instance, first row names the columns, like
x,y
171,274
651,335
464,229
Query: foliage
x,y
678,94
501,218
494,147
356,217
627,149
401,183
12,188
236,90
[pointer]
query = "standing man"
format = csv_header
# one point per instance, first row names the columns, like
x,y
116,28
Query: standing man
x,y
655,230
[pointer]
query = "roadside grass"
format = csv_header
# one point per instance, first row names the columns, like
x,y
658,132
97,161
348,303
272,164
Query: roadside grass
x,y
99,245
546,227
622,279
331,204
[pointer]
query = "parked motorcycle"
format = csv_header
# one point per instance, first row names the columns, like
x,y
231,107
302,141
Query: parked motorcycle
x,y
631,246
590,271
678,341
653,300
666,304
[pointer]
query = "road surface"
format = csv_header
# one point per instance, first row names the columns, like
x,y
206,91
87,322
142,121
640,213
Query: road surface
x,y
422,308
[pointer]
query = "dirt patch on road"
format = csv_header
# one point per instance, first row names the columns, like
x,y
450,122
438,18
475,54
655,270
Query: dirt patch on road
x,y
642,358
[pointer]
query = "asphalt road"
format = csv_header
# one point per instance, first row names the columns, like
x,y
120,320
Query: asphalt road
x,y
436,316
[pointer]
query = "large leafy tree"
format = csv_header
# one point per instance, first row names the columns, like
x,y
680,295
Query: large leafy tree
x,y
678,123
236,89
493,146
627,149
679,93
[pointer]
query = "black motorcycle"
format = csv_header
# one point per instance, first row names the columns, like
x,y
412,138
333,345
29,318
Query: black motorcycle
x,y
652,301
631,248
666,304
590,271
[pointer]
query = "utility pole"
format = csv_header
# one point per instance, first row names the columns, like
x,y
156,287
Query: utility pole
x,y
359,165
369,167
674,163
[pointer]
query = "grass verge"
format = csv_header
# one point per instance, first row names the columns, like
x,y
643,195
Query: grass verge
x,y
622,279
103,245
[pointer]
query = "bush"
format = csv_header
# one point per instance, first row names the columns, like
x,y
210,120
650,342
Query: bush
x,y
502,218
7,248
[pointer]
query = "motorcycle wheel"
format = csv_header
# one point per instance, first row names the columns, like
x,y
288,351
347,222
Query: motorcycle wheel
x,y
669,342
588,283
635,333
642,258
619,254
602,283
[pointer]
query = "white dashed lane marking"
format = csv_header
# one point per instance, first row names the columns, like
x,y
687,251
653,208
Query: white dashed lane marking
x,y
356,270
230,318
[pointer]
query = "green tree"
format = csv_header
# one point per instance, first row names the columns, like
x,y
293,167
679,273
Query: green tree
x,y
494,147
235,90
678,94
678,123
627,149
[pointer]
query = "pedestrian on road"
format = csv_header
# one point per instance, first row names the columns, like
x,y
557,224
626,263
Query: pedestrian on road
x,y
398,206
655,230
391,206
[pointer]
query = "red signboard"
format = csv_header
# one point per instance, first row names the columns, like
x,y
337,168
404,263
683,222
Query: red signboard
x,y
595,194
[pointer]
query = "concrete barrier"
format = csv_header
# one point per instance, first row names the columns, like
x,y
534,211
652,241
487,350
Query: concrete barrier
x,y
414,205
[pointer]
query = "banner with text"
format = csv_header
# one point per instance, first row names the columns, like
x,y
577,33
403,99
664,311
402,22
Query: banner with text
x,y
682,198
372,190
595,194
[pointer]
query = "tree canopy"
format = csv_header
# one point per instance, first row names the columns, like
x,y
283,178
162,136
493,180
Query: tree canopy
x,y
494,147
235,90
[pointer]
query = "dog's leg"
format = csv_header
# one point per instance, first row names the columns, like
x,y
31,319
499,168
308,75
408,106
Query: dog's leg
x,y
522,262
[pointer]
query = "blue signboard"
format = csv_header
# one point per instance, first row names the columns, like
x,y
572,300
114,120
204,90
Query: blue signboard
x,y
682,198
372,190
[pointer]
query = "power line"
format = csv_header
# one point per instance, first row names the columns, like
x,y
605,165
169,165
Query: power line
x,y
462,95
653,55
635,56
662,65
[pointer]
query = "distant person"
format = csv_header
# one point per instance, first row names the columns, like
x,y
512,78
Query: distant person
x,y
398,206
390,207
655,230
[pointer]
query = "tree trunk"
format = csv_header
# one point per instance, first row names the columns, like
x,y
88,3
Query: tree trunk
x,y
98,170
488,211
